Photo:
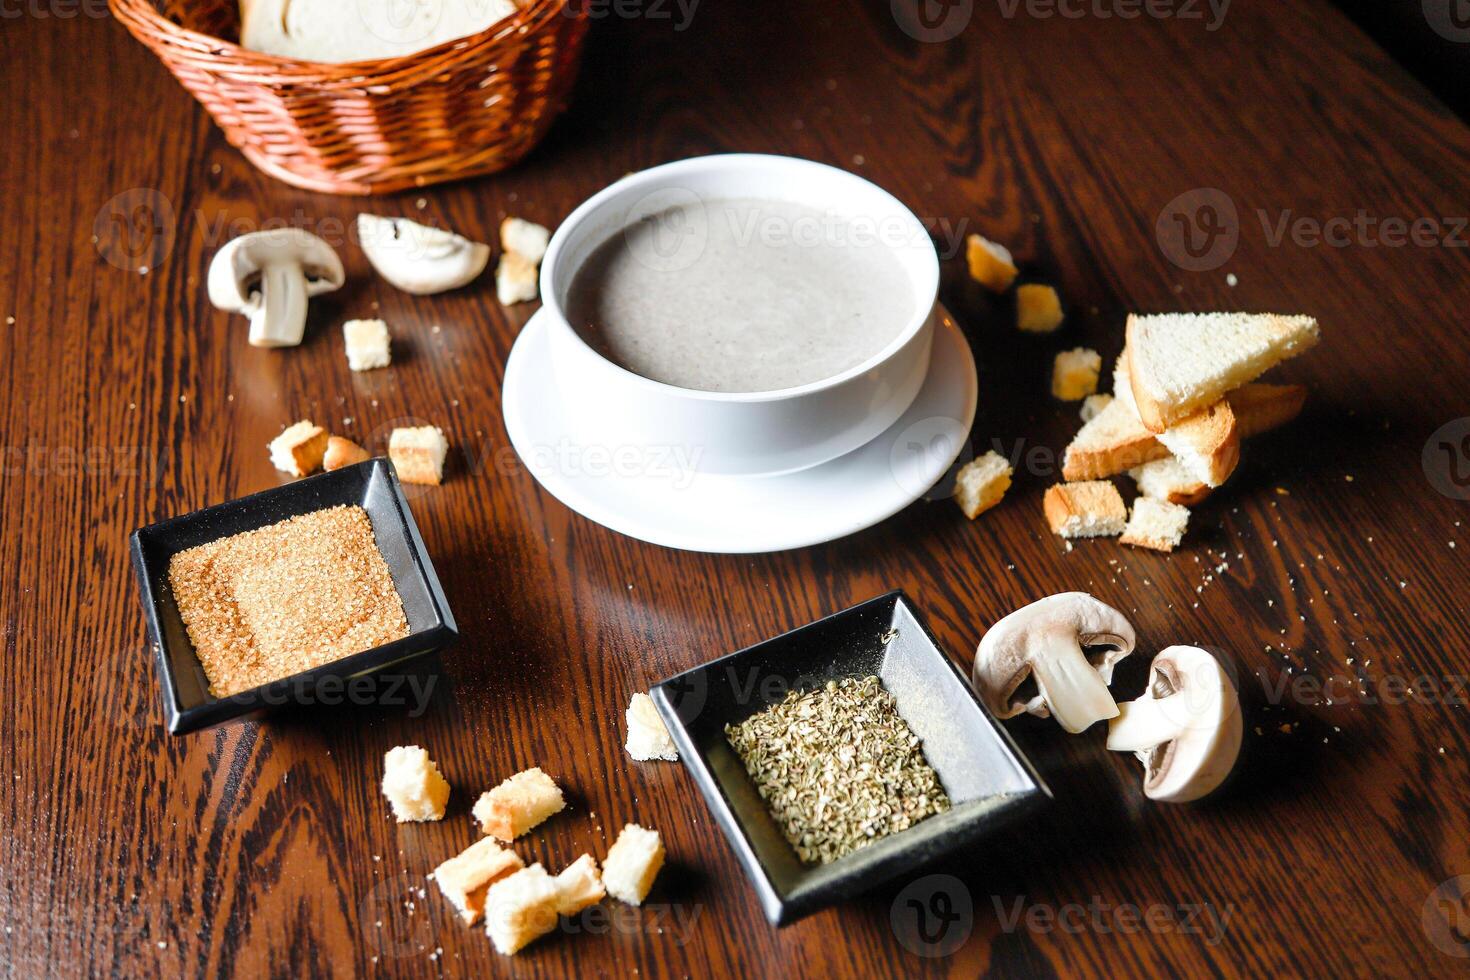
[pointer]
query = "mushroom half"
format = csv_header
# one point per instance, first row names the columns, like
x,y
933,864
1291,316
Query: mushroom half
x,y
1054,657
419,259
1186,730
269,276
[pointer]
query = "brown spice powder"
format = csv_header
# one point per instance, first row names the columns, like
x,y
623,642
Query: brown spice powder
x,y
269,603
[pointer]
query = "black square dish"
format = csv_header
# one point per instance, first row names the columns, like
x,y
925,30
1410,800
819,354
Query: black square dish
x,y
372,485
988,781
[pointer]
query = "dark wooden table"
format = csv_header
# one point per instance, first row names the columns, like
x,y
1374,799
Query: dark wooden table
x,y
1332,567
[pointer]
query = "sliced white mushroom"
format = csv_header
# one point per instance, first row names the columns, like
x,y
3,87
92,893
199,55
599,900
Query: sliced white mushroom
x,y
1186,730
269,276
1034,660
417,258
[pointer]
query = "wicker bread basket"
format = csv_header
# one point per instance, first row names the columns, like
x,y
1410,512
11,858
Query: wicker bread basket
x,y
467,107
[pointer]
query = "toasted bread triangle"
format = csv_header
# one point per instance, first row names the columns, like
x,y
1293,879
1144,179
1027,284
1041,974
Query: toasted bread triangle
x,y
1179,363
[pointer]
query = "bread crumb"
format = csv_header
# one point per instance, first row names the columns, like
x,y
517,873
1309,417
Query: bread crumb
x,y
1085,510
515,279
418,454
981,483
1038,308
632,863
991,264
415,788
299,449
1074,374
367,344
648,739
518,804
525,238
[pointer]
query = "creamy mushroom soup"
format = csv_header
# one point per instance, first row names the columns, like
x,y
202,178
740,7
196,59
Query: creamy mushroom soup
x,y
741,295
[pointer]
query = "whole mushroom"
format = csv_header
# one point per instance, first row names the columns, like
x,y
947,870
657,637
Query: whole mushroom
x,y
1045,642
269,276
417,258
1186,729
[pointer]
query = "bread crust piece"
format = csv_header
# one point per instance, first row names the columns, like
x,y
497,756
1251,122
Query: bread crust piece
x,y
1208,443
1115,440
1085,510
342,452
1261,407
465,878
1271,340
299,448
1168,479
518,804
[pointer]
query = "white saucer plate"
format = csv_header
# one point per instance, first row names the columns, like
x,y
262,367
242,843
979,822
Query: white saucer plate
x,y
651,493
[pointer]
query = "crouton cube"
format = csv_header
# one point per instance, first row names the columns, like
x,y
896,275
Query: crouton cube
x,y
1085,510
632,863
1093,405
518,804
465,878
1038,308
991,264
515,279
367,344
299,449
418,454
580,886
525,238
647,736
1074,374
981,483
342,452
520,908
1156,524
413,785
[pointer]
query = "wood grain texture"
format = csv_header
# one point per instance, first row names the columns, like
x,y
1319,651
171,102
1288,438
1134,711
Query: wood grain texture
x,y
265,849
